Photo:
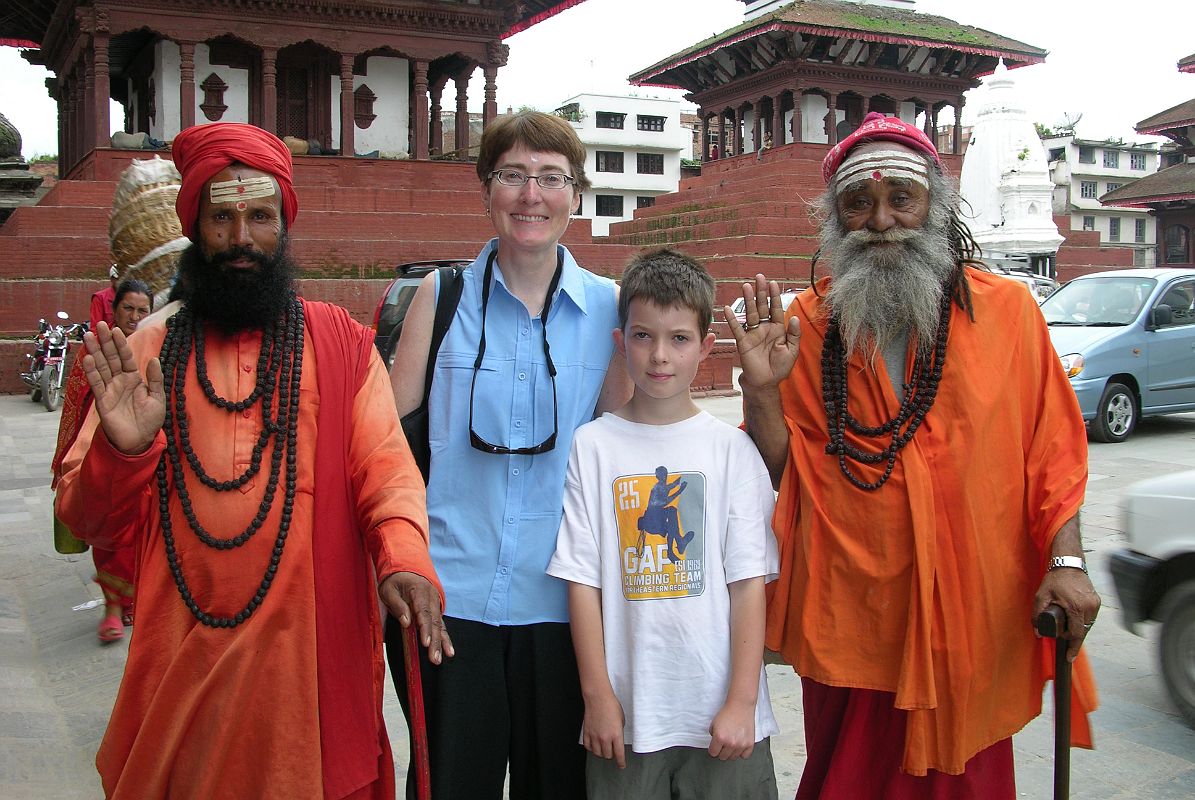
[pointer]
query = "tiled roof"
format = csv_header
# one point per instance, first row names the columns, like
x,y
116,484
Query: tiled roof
x,y
1187,64
1172,183
1182,114
868,23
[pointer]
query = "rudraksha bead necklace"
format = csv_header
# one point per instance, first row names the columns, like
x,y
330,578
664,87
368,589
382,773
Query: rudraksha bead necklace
x,y
919,395
280,369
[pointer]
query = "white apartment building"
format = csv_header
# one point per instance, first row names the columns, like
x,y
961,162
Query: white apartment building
x,y
633,151
1083,170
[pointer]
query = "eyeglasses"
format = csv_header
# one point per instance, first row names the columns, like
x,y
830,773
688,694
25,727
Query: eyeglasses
x,y
550,180
547,444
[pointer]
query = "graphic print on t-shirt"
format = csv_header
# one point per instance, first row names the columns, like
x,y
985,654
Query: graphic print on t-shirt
x,y
661,534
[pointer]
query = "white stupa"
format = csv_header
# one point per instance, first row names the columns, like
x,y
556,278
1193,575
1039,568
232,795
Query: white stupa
x,y
1006,181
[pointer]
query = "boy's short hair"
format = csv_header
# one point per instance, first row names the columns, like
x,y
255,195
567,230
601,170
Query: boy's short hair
x,y
666,277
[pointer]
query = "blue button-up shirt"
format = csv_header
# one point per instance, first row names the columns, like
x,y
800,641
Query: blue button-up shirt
x,y
494,518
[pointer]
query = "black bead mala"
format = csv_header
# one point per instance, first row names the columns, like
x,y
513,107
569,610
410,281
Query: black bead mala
x,y
279,370
919,395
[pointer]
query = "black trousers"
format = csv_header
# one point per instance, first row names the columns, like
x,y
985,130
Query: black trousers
x,y
510,696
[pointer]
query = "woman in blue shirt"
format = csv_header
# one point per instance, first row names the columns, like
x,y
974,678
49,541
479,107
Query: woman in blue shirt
x,y
529,358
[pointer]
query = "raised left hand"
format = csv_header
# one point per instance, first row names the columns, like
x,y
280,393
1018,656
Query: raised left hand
x,y
1070,589
413,598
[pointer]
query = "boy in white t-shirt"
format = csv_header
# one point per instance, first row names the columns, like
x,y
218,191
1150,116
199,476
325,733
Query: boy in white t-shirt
x,y
666,543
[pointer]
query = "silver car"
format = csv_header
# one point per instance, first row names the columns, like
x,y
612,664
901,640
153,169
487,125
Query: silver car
x,y
1127,343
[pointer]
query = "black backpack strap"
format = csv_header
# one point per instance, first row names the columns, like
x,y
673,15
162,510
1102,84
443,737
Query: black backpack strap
x,y
449,295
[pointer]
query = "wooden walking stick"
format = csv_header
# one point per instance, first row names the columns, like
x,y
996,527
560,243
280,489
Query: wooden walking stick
x,y
421,764
1051,624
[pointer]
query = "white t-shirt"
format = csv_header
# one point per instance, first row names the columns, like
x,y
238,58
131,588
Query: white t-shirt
x,y
662,518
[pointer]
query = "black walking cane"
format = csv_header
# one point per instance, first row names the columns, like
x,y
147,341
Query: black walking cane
x,y
1051,624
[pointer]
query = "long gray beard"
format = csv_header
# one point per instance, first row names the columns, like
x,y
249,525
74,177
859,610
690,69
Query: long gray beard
x,y
882,294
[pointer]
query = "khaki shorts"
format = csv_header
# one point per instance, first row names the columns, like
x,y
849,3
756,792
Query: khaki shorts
x,y
683,773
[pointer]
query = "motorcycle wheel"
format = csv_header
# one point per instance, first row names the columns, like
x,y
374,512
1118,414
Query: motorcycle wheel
x,y
35,392
51,392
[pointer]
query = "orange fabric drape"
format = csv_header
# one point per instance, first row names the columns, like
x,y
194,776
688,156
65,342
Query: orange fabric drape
x,y
924,588
207,712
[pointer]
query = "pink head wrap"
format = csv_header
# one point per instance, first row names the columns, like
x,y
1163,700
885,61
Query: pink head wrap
x,y
878,128
204,150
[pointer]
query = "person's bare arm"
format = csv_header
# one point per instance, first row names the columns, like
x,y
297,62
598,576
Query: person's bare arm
x,y
1069,588
733,728
767,351
616,388
601,732
410,357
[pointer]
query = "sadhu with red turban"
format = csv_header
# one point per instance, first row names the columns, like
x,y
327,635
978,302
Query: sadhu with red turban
x,y
215,444
925,513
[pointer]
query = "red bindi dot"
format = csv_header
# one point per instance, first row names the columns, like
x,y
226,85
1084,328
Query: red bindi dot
x,y
241,206
876,176
240,190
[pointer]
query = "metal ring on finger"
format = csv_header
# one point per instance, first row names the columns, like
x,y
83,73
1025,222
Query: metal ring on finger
x,y
750,327
1087,625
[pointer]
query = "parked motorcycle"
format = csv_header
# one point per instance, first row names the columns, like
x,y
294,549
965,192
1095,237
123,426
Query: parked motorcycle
x,y
47,362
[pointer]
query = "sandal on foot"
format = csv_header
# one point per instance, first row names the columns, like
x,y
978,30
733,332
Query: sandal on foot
x,y
111,629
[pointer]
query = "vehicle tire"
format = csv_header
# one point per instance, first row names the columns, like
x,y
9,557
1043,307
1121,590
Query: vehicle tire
x,y
1176,649
1116,414
51,392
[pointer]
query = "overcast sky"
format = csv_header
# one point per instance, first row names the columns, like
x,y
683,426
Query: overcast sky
x,y
1113,62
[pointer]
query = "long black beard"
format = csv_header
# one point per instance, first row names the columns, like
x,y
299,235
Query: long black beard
x,y
235,300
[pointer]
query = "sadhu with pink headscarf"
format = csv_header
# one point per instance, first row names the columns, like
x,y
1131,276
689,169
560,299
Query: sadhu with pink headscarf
x,y
248,449
931,462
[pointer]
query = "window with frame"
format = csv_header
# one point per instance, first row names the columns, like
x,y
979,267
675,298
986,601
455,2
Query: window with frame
x,y
1088,189
647,122
649,163
1176,244
609,205
1112,158
1112,187
1139,230
609,119
609,161
644,202
1089,223
1113,229
1137,160
1179,296
1086,155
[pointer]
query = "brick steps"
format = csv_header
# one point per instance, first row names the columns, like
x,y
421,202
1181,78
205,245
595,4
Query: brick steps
x,y
679,230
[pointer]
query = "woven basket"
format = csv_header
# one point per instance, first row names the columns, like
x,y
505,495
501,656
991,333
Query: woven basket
x,y
144,232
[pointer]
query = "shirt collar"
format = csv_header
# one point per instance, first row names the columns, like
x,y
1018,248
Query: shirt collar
x,y
572,281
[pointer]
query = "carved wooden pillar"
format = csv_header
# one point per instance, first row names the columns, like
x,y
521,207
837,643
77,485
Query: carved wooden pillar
x,y
101,90
348,115
958,125
269,89
437,117
420,123
489,109
832,119
757,124
87,105
66,153
797,96
462,115
722,148
778,119
705,135
186,85
929,121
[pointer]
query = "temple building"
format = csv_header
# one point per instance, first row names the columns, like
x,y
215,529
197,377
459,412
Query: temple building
x,y
809,71
1006,183
348,76
1170,192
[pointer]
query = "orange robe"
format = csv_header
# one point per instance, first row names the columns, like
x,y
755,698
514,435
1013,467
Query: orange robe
x,y
216,713
924,588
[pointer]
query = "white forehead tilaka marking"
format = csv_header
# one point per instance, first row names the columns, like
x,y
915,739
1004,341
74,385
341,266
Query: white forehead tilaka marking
x,y
235,190
880,164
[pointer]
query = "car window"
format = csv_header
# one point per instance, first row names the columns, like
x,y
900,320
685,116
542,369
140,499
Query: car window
x,y
1108,301
1179,297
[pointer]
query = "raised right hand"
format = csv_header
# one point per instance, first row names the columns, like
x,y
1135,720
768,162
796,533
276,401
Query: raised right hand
x,y
131,408
767,346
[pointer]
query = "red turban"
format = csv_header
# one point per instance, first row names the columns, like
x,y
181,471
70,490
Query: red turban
x,y
875,128
203,150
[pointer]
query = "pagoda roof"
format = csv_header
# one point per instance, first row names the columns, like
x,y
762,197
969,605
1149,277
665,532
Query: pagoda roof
x,y
1180,116
1187,64
24,23
1171,184
831,18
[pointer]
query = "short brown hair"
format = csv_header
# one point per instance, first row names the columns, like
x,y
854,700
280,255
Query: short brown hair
x,y
666,278
535,130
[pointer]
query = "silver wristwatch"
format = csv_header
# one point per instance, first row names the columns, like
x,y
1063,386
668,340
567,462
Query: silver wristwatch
x,y
1067,561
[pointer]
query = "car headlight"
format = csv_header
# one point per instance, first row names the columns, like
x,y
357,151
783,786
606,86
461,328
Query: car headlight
x,y
1072,364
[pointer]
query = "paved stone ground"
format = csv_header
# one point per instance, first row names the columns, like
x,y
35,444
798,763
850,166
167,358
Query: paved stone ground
x,y
57,684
